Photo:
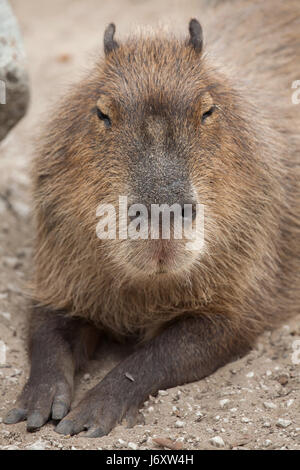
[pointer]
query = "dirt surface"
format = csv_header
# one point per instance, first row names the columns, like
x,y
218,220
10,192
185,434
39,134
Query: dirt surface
x,y
252,403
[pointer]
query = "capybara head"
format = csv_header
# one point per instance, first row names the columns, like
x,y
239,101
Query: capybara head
x,y
155,123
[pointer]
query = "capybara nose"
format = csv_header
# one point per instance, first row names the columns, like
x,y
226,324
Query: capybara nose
x,y
189,211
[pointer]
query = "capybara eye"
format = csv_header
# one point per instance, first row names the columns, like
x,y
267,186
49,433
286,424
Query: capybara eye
x,y
207,114
103,117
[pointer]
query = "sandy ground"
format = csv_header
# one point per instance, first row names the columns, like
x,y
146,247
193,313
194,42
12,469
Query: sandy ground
x,y
249,404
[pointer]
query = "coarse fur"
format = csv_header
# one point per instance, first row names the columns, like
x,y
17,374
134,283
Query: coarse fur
x,y
244,167
164,120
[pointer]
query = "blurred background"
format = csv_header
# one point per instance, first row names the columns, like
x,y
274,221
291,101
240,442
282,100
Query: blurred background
x,y
63,36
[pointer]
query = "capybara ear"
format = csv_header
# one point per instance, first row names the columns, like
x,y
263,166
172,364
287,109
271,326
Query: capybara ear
x,y
109,43
196,35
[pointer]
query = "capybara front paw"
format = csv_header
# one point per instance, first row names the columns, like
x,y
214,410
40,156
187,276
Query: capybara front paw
x,y
98,415
40,400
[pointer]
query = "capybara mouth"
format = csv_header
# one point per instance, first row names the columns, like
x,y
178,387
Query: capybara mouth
x,y
159,257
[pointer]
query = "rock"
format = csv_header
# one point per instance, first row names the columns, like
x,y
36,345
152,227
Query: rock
x,y
199,416
283,423
132,445
266,424
3,349
267,443
11,262
14,85
5,315
179,424
224,402
21,209
269,405
37,445
250,375
283,379
245,420
168,443
11,447
217,441
177,395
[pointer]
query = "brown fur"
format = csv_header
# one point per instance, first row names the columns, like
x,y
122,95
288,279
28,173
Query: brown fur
x,y
244,167
242,163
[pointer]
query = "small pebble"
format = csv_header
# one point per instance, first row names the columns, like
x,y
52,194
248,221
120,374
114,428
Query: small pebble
x,y
269,405
179,424
199,416
37,445
245,420
217,441
267,443
224,402
282,379
132,445
11,262
3,349
283,423
6,315
266,424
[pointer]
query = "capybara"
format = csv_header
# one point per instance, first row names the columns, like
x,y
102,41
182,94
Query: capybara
x,y
204,120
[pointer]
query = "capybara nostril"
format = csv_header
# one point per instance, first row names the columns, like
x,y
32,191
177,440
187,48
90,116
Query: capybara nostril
x,y
189,211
